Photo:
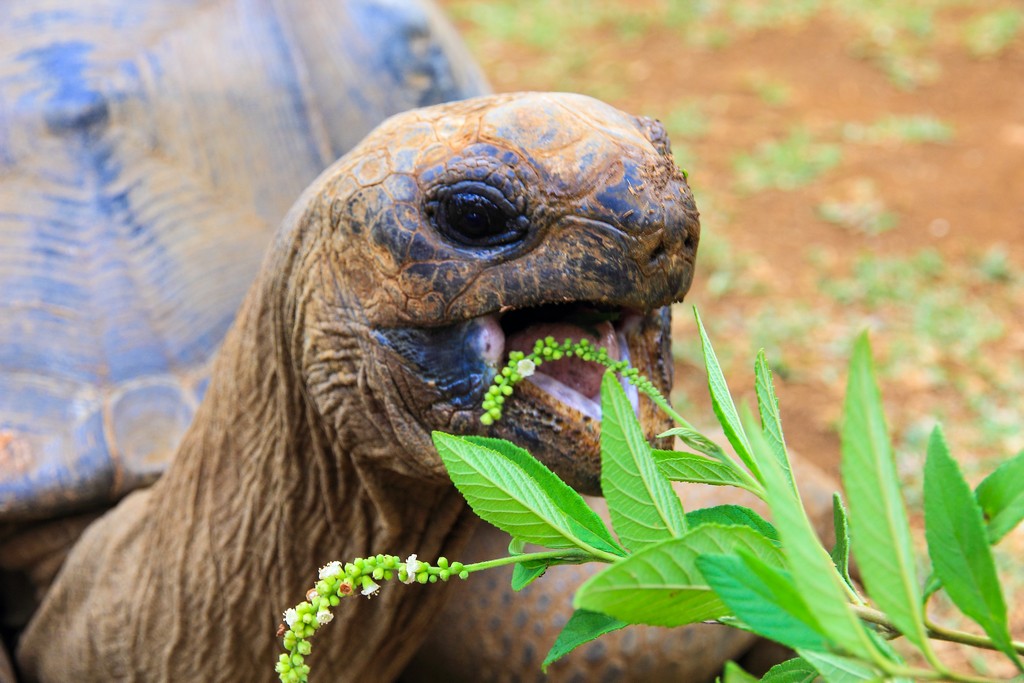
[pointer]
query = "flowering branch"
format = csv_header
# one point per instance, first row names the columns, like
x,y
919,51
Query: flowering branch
x,y
362,576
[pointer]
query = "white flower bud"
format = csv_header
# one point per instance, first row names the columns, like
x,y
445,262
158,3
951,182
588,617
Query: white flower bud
x,y
329,570
412,565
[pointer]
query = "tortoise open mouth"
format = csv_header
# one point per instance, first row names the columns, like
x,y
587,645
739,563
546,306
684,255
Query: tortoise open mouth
x,y
574,382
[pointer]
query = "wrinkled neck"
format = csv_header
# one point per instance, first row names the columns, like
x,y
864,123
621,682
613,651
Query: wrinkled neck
x,y
267,490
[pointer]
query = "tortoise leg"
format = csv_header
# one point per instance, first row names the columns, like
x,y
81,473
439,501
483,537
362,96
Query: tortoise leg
x,y
30,556
487,632
36,550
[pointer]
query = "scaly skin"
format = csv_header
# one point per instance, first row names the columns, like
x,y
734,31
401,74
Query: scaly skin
x,y
374,321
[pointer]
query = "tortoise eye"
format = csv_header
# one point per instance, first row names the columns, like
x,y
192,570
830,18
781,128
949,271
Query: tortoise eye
x,y
475,214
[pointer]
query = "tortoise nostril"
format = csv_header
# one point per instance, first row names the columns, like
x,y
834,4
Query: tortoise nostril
x,y
658,251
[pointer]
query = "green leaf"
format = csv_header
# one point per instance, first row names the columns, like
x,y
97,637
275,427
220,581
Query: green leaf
x,y
878,517
836,669
732,515
764,597
698,442
564,497
583,626
643,507
593,540
721,402
841,552
734,673
768,407
504,494
1001,496
681,466
794,670
662,585
958,546
811,566
525,573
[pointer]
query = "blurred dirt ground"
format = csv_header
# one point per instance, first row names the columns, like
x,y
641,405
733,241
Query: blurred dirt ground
x,y
859,164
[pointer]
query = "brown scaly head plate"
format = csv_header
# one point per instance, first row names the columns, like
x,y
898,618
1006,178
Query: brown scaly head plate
x,y
474,228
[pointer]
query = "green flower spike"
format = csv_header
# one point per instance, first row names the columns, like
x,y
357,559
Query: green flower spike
x,y
521,365
337,581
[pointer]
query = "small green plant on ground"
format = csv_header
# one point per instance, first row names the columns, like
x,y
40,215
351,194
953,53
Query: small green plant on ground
x,y
670,567
771,91
785,164
862,211
686,120
994,265
987,35
890,129
896,37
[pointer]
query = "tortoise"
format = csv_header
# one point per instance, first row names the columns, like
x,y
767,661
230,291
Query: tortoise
x,y
380,311
379,314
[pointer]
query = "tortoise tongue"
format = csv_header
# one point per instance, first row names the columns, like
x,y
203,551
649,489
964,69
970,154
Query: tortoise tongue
x,y
581,376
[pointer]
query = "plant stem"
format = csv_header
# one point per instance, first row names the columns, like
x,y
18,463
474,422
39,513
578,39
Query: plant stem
x,y
935,631
943,633
569,556
928,675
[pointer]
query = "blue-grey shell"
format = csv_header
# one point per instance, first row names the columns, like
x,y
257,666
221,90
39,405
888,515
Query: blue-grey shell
x,y
147,152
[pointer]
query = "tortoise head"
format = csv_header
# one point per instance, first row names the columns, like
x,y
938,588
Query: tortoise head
x,y
460,232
